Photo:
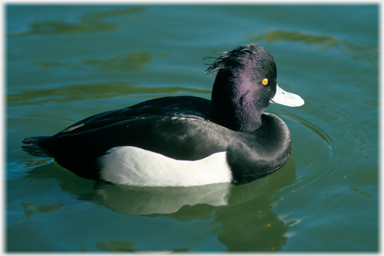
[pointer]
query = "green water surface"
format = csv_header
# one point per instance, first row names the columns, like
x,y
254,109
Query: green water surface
x,y
66,62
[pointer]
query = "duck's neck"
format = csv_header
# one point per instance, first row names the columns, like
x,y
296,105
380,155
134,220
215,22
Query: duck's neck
x,y
236,107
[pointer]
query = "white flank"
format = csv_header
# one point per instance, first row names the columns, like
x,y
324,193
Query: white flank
x,y
138,167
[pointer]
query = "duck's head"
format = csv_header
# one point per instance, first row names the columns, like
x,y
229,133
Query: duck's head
x,y
244,87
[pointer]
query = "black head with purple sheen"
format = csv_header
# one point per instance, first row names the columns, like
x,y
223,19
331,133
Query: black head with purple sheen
x,y
244,86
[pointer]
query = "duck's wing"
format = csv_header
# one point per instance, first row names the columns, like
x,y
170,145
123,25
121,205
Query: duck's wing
x,y
167,106
177,127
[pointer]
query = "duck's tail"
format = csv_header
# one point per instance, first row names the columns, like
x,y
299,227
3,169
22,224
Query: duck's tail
x,y
32,146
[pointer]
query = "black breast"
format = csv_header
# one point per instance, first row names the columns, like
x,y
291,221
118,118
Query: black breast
x,y
260,152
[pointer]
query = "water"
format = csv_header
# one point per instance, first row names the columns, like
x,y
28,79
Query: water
x,y
67,62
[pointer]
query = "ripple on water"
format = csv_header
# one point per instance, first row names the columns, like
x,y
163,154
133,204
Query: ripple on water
x,y
314,148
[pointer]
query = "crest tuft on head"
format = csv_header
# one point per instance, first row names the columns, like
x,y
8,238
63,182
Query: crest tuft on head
x,y
236,57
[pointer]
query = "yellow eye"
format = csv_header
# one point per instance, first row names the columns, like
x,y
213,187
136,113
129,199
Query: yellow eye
x,y
265,81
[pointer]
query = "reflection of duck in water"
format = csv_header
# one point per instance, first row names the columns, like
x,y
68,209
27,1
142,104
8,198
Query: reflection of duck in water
x,y
242,217
185,141
131,200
